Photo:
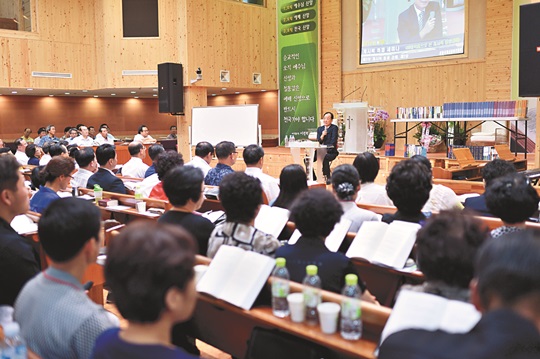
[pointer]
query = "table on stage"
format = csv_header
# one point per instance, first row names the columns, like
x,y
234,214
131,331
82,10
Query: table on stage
x,y
308,159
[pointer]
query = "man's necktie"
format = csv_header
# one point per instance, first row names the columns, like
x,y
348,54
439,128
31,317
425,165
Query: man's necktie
x,y
421,20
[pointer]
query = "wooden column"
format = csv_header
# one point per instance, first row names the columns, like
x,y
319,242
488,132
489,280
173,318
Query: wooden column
x,y
193,97
537,144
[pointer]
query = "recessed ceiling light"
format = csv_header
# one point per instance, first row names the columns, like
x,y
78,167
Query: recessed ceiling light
x,y
51,95
66,93
96,96
13,91
237,92
223,89
213,94
113,94
154,95
133,91
84,90
29,89
263,90
136,97
155,90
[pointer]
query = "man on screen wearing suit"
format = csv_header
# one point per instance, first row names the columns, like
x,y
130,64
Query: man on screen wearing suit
x,y
104,177
327,135
420,22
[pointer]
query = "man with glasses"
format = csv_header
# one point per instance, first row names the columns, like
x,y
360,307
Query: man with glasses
x,y
227,155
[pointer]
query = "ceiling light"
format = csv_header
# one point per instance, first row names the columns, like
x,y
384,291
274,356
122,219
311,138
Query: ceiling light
x,y
136,97
213,94
29,89
51,95
13,91
133,91
237,92
154,95
96,96
223,89
84,90
155,90
66,93
113,94
263,90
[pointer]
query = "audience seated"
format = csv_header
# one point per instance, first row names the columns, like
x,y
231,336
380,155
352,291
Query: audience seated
x,y
371,193
31,154
135,167
440,197
153,152
18,260
184,189
506,289
227,155
445,250
57,318
46,156
58,149
512,199
408,186
292,182
493,169
152,292
49,136
204,151
346,183
164,163
143,136
86,159
56,176
315,214
106,157
254,160
241,197
20,154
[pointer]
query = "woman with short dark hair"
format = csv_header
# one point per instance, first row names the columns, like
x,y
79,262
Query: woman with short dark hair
x,y
56,175
368,168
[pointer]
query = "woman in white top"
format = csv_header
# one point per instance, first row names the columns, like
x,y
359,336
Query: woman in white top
x,y
368,167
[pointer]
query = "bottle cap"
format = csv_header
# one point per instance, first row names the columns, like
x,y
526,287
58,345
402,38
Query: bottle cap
x,y
351,279
311,269
6,314
11,329
280,262
97,187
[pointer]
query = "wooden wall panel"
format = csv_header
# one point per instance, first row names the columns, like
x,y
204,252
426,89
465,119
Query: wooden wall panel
x,y
330,53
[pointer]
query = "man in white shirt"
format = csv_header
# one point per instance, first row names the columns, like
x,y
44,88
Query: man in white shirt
x,y
143,136
254,158
20,155
135,167
204,151
73,134
84,140
104,136
86,159
46,156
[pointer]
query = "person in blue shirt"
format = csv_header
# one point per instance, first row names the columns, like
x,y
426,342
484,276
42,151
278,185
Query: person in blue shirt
x,y
227,155
56,175
153,152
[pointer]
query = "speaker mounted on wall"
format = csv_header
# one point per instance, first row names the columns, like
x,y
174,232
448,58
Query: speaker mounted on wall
x,y
171,88
529,50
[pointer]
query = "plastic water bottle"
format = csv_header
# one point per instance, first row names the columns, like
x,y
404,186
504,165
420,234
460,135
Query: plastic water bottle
x,y
98,193
292,139
13,346
351,309
280,289
138,192
312,294
286,140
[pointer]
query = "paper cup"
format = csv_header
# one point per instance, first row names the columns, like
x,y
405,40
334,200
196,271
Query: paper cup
x,y
199,269
141,207
296,307
328,316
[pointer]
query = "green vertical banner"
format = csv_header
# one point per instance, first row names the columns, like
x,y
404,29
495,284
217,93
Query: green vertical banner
x,y
298,51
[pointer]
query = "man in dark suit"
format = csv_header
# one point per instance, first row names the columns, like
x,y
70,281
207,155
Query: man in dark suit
x,y
327,135
420,22
506,289
106,157
494,169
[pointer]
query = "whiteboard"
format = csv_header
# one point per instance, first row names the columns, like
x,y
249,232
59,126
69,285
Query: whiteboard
x,y
238,124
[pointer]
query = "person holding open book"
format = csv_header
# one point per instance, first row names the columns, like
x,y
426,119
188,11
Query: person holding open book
x,y
315,213
346,183
370,192
241,197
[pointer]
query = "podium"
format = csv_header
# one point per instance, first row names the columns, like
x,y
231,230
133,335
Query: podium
x,y
307,160
355,118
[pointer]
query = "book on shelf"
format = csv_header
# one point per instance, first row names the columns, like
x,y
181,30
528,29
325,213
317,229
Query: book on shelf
x,y
418,310
334,239
236,276
271,220
383,243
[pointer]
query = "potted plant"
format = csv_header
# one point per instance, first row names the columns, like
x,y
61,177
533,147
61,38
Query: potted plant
x,y
379,127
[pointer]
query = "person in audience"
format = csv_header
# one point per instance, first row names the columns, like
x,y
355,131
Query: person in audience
x,y
19,261
86,159
58,149
164,163
493,169
46,156
408,186
174,133
327,134
49,137
92,132
30,152
445,250
254,158
184,189
241,197
135,167
66,133
152,292
346,183
2,145
371,193
104,136
315,213
36,180
512,199
440,197
204,151
143,136
20,154
506,290
73,134
109,134
104,177
42,132
26,135
57,318
292,182
56,176
84,140
5,151
227,155
153,152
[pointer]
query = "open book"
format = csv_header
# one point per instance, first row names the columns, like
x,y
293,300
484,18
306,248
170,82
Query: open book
x,y
236,276
334,239
271,220
386,244
417,310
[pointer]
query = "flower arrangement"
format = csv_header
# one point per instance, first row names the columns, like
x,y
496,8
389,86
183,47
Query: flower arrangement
x,y
378,120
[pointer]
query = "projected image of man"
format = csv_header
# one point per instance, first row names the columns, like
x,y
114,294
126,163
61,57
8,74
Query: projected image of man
x,y
420,22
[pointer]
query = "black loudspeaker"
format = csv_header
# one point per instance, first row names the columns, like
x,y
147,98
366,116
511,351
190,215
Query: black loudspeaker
x,y
529,50
170,88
